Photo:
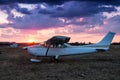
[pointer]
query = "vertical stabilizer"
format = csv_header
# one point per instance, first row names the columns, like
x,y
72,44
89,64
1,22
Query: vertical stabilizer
x,y
107,39
104,43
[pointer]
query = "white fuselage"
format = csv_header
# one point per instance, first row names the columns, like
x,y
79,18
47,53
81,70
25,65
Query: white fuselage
x,y
41,51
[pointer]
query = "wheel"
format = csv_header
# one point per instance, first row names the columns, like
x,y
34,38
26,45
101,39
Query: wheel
x,y
55,59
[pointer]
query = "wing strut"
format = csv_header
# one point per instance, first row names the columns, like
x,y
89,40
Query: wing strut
x,y
47,50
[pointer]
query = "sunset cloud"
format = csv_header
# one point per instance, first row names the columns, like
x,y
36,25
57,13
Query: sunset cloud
x,y
34,18
3,19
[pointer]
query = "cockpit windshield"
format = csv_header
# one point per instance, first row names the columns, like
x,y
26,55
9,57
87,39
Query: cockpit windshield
x,y
56,41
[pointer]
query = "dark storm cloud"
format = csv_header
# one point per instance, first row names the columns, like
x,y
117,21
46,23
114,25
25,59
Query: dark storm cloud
x,y
47,17
104,2
15,6
44,11
24,10
35,22
76,9
33,1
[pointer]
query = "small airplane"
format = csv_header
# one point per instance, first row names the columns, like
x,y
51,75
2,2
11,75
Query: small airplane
x,y
57,46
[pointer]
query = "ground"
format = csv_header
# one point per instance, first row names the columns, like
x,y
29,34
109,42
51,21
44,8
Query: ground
x,y
15,65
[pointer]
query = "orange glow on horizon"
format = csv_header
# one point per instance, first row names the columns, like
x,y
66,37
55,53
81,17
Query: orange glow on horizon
x,y
31,41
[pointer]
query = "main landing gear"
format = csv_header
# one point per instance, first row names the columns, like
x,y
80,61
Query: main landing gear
x,y
55,59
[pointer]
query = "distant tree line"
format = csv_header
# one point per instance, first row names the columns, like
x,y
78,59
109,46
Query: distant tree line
x,y
115,43
80,43
83,43
5,43
29,44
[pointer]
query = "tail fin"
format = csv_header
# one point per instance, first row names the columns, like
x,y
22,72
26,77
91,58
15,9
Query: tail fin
x,y
104,43
107,39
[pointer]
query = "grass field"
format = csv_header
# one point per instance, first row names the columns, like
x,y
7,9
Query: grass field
x,y
15,65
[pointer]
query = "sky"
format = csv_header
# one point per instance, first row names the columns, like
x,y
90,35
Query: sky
x,y
38,20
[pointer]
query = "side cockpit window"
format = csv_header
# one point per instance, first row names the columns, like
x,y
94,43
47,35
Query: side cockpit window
x,y
55,45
